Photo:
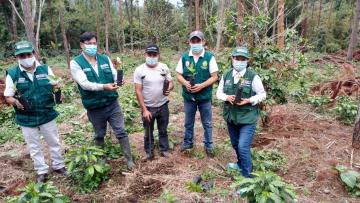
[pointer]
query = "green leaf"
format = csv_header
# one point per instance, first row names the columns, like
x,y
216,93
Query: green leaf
x,y
341,168
99,168
349,178
90,171
275,198
77,159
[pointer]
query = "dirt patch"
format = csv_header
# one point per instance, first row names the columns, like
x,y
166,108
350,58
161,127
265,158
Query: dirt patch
x,y
142,188
166,168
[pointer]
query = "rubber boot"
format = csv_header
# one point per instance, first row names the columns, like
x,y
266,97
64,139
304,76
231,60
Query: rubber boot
x,y
125,145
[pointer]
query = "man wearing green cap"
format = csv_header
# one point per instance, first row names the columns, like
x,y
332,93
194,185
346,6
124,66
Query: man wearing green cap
x,y
28,89
196,72
241,89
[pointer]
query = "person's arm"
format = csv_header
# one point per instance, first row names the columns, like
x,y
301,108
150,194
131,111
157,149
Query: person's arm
x,y
221,95
80,78
213,69
257,87
180,77
9,93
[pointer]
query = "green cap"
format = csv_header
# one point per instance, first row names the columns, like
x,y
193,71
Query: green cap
x,y
241,51
23,47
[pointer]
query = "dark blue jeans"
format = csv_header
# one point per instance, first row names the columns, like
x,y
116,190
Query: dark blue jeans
x,y
161,115
241,137
206,120
111,114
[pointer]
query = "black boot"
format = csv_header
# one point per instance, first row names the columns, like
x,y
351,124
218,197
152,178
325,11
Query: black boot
x,y
125,145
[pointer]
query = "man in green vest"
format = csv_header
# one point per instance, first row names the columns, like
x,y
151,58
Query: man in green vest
x,y
241,89
96,78
196,72
28,89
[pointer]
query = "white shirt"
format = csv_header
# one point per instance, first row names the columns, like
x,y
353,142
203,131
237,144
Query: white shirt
x,y
152,82
80,77
213,67
256,86
9,83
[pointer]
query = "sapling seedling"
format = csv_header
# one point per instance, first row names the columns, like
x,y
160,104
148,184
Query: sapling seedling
x,y
192,70
55,82
120,72
166,82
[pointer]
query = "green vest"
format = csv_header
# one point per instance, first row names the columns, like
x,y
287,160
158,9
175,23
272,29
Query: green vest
x,y
96,99
245,114
201,75
38,94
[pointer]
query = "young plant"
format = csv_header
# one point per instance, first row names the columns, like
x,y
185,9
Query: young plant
x,y
346,109
193,187
319,102
167,197
351,180
267,160
39,192
87,168
113,151
264,187
192,70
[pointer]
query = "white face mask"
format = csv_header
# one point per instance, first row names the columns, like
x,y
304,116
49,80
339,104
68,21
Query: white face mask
x,y
28,62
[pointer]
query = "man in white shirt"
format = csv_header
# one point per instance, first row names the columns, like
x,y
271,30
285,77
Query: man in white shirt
x,y
196,72
153,84
96,78
29,90
242,90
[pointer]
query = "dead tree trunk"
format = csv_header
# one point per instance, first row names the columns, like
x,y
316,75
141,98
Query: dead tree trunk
x,y
14,24
354,32
220,24
107,19
280,25
63,33
304,21
29,24
190,15
356,134
197,14
239,20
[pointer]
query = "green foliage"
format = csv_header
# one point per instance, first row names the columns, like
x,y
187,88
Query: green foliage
x,y
9,131
167,197
130,109
265,187
267,160
346,109
112,150
193,187
75,137
319,102
39,193
351,180
87,168
66,111
70,92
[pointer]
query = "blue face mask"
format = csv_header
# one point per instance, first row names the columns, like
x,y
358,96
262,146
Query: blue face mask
x,y
152,61
90,49
239,65
196,48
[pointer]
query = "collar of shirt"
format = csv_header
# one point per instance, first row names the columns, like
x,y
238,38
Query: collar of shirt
x,y
241,73
86,57
201,55
37,63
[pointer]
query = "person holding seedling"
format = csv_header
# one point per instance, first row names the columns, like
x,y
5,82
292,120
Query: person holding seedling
x,y
242,90
196,72
153,84
96,78
29,90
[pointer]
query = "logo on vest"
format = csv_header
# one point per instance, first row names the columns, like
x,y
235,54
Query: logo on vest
x,y
187,63
87,70
104,66
246,83
41,76
204,65
22,80
227,82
